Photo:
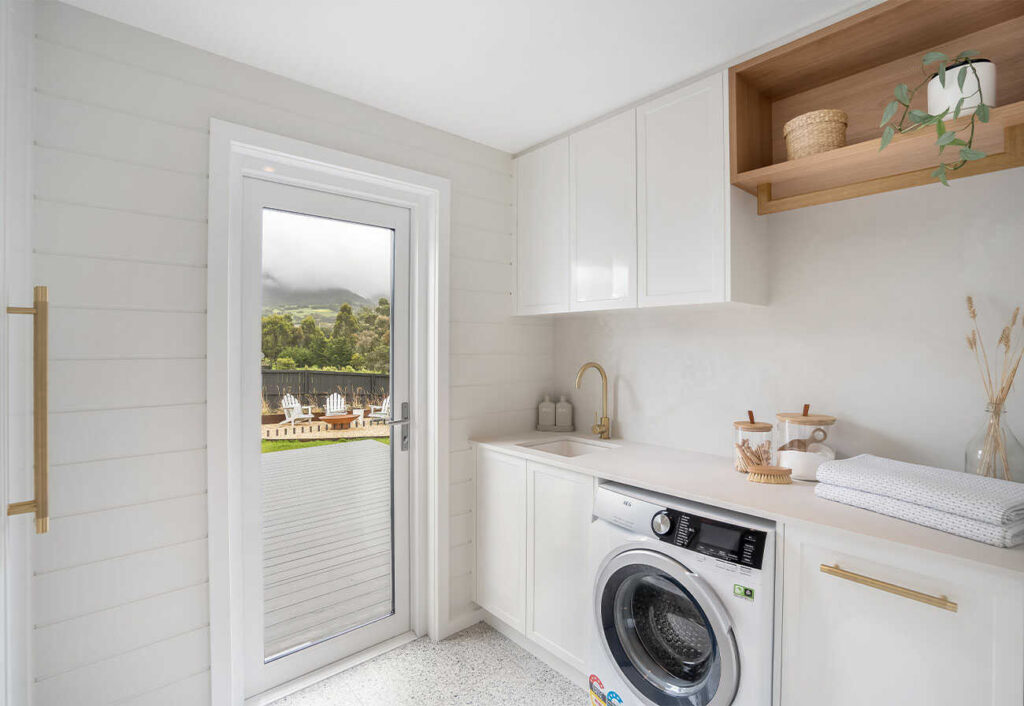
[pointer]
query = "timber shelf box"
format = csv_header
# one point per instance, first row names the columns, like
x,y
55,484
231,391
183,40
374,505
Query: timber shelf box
x,y
853,66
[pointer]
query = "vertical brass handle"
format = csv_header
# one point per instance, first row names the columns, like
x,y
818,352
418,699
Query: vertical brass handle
x,y
896,590
40,505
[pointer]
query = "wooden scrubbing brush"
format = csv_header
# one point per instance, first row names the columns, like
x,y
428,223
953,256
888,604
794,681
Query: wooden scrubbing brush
x,y
769,474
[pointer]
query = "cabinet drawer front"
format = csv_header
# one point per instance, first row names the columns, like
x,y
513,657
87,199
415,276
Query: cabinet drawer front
x,y
883,623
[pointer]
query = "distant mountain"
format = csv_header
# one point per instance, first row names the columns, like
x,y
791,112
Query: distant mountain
x,y
276,296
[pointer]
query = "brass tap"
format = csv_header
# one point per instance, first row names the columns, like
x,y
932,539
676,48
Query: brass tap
x,y
602,428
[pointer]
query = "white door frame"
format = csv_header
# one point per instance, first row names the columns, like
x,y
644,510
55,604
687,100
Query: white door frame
x,y
235,151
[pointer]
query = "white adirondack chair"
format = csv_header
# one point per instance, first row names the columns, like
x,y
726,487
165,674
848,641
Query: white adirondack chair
x,y
295,412
381,413
335,404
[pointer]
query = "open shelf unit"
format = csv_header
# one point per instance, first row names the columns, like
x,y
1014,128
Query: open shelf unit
x,y
854,65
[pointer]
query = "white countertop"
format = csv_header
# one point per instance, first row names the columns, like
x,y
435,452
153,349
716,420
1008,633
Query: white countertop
x,y
713,480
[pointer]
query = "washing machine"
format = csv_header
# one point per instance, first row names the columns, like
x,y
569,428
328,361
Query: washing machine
x,y
683,603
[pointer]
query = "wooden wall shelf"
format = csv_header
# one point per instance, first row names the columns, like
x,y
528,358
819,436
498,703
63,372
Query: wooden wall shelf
x,y
854,65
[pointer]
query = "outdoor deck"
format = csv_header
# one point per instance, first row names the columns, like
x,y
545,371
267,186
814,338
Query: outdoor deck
x,y
327,541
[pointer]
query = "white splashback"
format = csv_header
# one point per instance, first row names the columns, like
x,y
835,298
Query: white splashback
x,y
866,321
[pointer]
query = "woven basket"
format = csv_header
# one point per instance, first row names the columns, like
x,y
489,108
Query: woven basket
x,y
814,132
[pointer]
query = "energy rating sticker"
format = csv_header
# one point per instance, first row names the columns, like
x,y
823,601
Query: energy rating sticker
x,y
742,592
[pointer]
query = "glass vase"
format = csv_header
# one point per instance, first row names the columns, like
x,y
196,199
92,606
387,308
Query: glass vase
x,y
995,451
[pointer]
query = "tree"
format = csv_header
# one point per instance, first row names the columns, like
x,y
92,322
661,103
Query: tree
x,y
345,323
278,332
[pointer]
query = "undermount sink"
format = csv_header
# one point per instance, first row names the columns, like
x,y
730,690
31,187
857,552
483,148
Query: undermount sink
x,y
565,447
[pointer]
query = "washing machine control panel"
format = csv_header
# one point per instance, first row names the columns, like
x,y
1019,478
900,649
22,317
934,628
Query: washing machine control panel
x,y
721,540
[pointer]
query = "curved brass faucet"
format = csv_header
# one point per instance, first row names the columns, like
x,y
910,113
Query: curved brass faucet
x,y
602,428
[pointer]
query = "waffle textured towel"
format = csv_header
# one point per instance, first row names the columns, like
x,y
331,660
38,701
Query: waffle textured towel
x,y
999,535
989,500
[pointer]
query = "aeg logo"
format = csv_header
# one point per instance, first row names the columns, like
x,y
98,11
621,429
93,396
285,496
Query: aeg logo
x,y
627,503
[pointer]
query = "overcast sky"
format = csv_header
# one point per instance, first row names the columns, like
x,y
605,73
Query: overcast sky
x,y
310,253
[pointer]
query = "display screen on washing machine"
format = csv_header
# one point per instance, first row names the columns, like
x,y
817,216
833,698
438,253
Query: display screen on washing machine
x,y
738,545
721,537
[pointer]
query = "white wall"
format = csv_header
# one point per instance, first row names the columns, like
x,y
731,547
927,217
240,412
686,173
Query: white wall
x,y
866,321
121,161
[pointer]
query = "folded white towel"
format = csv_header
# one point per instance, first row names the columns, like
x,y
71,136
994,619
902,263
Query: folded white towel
x,y
999,535
989,500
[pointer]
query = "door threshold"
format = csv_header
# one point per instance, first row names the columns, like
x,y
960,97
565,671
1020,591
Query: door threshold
x,y
318,675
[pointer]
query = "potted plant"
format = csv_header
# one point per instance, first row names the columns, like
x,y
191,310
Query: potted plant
x,y
974,81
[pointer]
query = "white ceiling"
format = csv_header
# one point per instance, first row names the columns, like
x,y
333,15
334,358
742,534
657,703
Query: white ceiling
x,y
507,73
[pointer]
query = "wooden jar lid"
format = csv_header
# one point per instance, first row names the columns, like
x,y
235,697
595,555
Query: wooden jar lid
x,y
752,426
810,420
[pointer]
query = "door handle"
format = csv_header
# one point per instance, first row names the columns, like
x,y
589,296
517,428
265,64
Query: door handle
x,y
404,423
896,590
40,505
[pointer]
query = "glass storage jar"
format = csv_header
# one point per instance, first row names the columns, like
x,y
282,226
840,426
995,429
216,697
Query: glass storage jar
x,y
805,441
752,444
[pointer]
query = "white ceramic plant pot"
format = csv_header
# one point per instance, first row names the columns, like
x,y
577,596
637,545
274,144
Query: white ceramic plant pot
x,y
940,98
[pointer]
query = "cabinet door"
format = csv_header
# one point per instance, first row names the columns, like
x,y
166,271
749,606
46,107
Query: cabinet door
x,y
681,189
501,536
559,510
847,644
542,230
602,188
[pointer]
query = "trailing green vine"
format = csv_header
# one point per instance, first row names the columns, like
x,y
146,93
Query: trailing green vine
x,y
910,119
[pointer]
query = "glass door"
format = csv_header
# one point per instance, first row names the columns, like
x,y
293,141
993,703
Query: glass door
x,y
326,474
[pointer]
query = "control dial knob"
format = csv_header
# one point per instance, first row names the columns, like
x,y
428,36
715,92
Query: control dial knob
x,y
661,523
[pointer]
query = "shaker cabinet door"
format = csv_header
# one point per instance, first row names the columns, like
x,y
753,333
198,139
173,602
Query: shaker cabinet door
x,y
846,643
602,212
501,536
681,190
559,507
542,230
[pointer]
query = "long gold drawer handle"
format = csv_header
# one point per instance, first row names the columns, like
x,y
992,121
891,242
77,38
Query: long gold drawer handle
x,y
937,601
40,505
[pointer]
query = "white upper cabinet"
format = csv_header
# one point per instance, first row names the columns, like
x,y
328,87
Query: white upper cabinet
x,y
637,210
542,230
681,182
602,215
691,250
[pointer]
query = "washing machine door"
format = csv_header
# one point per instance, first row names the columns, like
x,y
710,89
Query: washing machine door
x,y
666,631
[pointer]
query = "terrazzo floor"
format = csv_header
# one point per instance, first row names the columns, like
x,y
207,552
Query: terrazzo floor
x,y
476,666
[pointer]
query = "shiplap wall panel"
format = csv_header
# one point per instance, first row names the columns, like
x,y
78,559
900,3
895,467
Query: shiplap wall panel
x,y
89,638
104,485
118,532
131,674
193,690
121,133
82,385
71,229
104,283
87,588
77,333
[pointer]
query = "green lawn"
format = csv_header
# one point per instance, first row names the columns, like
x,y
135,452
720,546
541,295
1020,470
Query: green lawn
x,y
269,445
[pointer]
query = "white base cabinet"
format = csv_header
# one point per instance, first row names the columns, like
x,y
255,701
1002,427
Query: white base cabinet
x,y
558,515
532,526
501,536
847,644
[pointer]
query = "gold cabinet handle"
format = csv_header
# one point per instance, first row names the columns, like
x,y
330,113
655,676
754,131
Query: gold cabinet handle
x,y
937,601
40,505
